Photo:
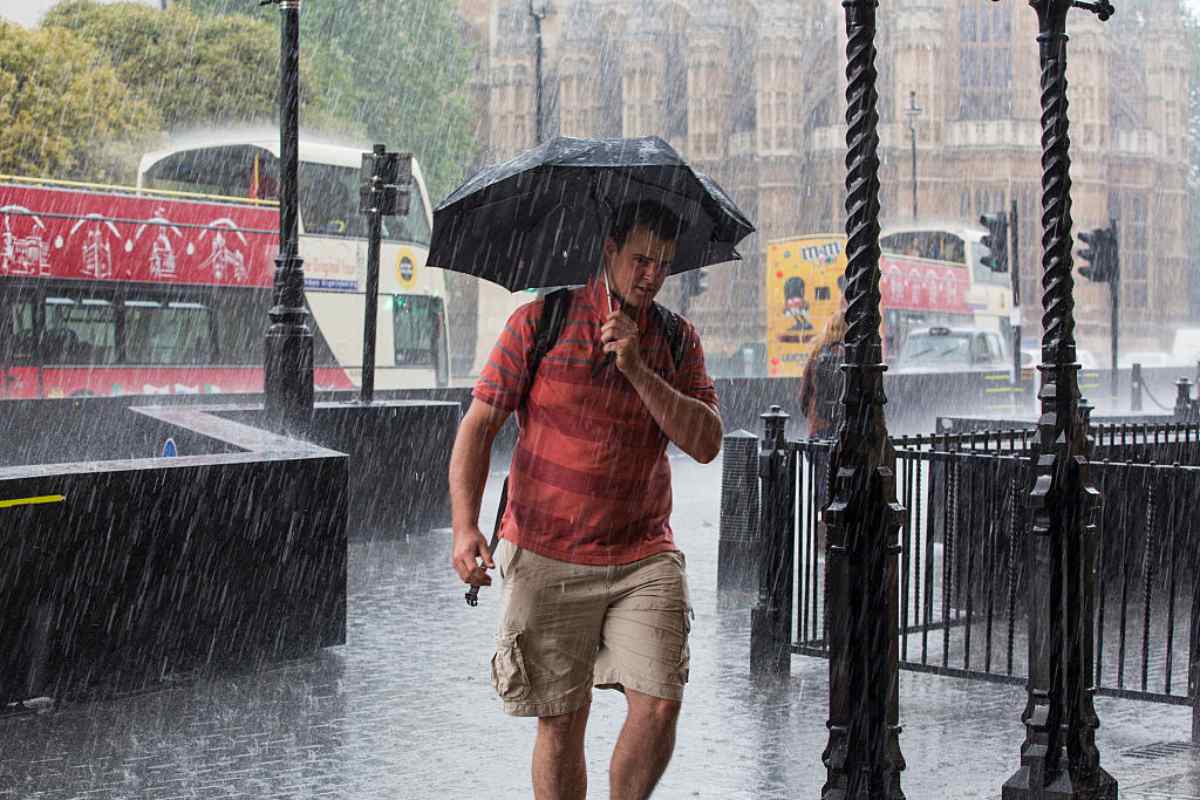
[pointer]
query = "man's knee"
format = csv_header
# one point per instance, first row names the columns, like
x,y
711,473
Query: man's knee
x,y
657,711
564,729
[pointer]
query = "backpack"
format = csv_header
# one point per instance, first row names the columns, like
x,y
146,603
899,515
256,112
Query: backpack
x,y
554,317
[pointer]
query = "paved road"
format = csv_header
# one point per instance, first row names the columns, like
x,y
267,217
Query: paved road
x,y
405,710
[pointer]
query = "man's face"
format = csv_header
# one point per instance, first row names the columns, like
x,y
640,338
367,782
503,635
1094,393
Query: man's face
x,y
637,270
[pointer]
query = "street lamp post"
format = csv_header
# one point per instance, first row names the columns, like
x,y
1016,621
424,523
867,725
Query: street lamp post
x,y
288,381
538,10
912,112
862,758
1059,757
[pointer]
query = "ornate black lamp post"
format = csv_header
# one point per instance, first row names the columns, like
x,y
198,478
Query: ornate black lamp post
x,y
912,113
862,759
1059,758
289,346
538,10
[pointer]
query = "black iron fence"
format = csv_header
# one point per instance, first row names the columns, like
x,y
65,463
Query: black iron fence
x,y
962,581
1167,442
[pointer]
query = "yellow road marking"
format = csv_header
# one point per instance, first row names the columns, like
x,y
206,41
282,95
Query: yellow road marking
x,y
33,501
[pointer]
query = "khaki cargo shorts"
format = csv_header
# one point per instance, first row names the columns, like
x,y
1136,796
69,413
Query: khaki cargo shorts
x,y
567,627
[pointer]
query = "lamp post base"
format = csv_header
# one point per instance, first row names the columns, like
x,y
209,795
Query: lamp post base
x,y
288,378
1099,785
770,648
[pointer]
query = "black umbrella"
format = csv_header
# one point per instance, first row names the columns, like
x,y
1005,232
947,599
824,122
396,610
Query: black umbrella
x,y
540,219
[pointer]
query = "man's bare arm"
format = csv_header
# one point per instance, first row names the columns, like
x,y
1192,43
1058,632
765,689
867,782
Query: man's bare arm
x,y
469,461
691,424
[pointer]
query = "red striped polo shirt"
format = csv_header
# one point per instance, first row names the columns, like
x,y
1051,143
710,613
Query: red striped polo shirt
x,y
590,482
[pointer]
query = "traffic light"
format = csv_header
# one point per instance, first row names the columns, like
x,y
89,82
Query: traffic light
x,y
996,241
1099,254
1092,255
384,181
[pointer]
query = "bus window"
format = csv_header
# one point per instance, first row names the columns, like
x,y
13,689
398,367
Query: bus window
x,y
329,201
82,331
231,171
413,228
18,329
167,332
934,245
416,330
329,206
241,320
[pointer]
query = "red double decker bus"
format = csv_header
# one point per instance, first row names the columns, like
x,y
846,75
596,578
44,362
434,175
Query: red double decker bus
x,y
164,288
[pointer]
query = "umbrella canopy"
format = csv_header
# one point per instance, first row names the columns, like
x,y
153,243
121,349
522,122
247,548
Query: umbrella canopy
x,y
541,218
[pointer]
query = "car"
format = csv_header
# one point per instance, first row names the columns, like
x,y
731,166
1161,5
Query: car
x,y
945,349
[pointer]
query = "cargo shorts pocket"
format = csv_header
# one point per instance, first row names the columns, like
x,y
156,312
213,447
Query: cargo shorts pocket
x,y
685,657
509,678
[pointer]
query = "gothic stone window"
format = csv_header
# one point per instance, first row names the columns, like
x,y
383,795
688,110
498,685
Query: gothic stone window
x,y
744,46
985,61
610,90
641,94
675,83
573,97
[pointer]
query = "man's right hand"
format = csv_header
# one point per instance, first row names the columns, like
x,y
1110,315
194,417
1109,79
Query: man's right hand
x,y
470,547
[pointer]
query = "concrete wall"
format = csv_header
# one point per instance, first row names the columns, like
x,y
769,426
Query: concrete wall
x,y
123,571
399,449
399,460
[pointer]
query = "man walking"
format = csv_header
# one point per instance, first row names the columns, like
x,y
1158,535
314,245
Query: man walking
x,y
595,591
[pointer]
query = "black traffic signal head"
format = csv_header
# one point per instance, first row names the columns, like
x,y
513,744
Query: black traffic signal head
x,y
1097,255
384,181
695,282
996,241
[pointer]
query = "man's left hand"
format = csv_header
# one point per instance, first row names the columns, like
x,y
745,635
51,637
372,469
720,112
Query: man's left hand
x,y
620,335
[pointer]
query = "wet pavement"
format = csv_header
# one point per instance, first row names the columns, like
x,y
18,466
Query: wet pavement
x,y
405,710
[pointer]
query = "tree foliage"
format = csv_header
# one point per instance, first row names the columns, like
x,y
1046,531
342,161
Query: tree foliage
x,y
64,112
400,69
195,70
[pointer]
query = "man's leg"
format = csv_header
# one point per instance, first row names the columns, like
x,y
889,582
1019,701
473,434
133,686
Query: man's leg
x,y
644,747
559,769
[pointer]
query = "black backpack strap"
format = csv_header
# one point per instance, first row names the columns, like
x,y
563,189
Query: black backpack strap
x,y
673,330
549,326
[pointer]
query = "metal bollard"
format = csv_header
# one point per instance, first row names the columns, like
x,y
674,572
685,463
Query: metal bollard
x,y
736,558
771,617
1135,388
1183,399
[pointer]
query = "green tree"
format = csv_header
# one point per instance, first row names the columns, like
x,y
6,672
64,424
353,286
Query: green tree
x,y
401,69
64,112
196,70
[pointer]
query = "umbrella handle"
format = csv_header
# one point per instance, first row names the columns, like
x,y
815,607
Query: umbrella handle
x,y
472,594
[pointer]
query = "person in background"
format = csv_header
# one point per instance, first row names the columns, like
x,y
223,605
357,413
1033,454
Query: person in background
x,y
821,383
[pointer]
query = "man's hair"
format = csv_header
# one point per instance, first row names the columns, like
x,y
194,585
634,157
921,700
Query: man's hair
x,y
655,217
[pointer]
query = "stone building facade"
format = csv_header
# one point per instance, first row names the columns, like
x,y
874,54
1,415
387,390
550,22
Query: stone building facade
x,y
752,92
